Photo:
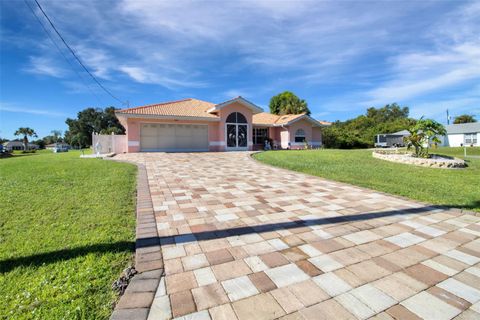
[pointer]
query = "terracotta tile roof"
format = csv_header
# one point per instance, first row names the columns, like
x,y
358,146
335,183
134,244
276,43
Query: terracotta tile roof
x,y
288,117
265,118
198,108
272,119
183,108
268,118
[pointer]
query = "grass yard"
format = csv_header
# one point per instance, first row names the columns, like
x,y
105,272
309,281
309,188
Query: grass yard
x,y
67,230
456,188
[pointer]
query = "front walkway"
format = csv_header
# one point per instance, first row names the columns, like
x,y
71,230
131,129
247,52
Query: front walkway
x,y
248,241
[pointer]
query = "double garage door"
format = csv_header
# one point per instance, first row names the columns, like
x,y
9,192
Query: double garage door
x,y
173,137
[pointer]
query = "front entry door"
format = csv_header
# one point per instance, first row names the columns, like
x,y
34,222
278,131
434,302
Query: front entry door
x,y
237,136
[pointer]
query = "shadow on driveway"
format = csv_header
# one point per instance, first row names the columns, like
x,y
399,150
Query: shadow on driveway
x,y
66,254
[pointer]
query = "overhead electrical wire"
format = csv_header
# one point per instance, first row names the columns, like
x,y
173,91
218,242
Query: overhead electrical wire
x,y
62,53
75,55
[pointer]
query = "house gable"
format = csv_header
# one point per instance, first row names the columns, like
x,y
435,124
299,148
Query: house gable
x,y
303,117
238,100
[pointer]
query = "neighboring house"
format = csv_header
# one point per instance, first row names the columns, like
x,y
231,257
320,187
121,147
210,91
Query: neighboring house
x,y
391,139
18,145
462,134
195,125
58,145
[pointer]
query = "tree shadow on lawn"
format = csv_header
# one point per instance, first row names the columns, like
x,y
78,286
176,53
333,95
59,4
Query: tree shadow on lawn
x,y
473,205
65,254
17,155
127,246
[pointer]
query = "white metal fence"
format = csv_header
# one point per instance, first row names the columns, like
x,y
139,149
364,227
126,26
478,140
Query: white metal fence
x,y
109,143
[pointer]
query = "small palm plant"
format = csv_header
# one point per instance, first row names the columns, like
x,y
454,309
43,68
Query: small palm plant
x,y
424,131
25,132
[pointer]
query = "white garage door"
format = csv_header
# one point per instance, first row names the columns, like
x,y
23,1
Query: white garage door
x,y
173,137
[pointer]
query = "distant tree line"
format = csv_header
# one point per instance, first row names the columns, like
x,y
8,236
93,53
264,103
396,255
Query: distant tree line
x,y
26,133
464,118
80,129
360,131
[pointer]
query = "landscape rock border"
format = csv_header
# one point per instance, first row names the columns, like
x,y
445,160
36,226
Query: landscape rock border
x,y
406,158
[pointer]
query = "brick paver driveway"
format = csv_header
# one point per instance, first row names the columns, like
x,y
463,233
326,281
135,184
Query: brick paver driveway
x,y
248,241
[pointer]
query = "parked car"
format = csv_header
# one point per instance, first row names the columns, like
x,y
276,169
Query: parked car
x,y
389,140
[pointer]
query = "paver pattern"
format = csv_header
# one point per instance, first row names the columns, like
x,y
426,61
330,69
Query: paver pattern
x,y
242,240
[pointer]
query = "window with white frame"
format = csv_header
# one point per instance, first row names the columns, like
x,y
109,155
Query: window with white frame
x,y
470,138
300,135
260,135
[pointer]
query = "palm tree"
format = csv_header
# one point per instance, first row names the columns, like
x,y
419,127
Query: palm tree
x,y
25,132
56,134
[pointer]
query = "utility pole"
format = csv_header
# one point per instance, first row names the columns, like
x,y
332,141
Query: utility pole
x,y
448,118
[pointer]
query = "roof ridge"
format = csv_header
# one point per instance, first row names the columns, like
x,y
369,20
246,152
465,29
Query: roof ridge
x,y
278,117
289,114
157,104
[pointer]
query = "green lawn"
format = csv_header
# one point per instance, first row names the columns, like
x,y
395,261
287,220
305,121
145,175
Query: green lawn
x,y
451,187
67,230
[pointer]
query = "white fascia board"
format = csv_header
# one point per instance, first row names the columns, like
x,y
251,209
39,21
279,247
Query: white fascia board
x,y
155,116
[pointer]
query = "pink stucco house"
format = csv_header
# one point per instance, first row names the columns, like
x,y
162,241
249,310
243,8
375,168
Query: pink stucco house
x,y
195,125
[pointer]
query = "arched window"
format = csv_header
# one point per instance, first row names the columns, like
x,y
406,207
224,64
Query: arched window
x,y
300,135
236,117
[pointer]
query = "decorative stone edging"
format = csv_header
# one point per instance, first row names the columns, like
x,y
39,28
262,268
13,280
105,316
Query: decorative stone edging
x,y
444,163
136,302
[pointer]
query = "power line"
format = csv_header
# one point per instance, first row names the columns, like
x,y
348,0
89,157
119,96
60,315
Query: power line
x,y
76,57
63,54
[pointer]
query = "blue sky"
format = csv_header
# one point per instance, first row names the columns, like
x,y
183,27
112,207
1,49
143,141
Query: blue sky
x,y
341,56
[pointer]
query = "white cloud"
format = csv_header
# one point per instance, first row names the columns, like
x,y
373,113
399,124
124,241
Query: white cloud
x,y
420,73
320,115
99,62
232,93
6,107
180,40
137,74
375,52
44,66
141,75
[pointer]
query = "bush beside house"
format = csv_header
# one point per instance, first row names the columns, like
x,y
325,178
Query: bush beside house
x,y
360,132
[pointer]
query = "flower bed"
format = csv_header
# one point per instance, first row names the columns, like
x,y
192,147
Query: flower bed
x,y
435,161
